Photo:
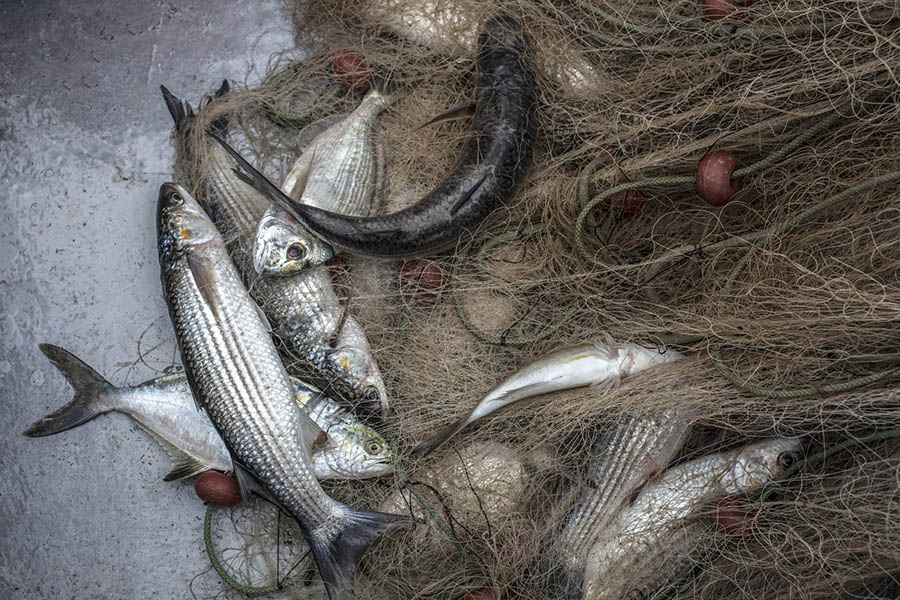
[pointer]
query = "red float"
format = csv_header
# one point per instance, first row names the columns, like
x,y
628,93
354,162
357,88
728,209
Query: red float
x,y
716,10
422,278
714,182
349,68
631,202
217,488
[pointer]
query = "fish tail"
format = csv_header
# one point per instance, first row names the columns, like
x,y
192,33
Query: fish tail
x,y
90,394
337,558
219,127
181,111
426,448
183,114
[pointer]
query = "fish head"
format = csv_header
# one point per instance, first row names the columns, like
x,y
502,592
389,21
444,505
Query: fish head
x,y
284,247
357,452
765,461
353,356
181,220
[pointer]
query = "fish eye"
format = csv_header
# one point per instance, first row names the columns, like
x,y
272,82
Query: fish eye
x,y
371,395
295,251
175,199
786,460
373,446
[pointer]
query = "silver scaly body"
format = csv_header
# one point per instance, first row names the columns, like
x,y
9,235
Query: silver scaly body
x,y
594,364
165,408
623,459
303,310
236,374
340,170
649,541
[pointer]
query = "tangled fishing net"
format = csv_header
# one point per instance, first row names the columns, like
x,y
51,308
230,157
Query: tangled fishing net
x,y
786,300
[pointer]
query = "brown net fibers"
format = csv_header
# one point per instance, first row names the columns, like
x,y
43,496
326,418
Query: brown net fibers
x,y
786,300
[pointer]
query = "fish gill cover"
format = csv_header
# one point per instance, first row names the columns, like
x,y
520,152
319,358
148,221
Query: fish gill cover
x,y
784,300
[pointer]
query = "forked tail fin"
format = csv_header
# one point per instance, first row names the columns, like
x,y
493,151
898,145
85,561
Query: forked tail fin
x,y
90,391
337,558
426,448
183,114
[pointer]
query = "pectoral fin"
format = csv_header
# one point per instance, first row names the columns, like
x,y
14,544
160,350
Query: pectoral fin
x,y
461,111
183,464
249,175
206,284
248,484
467,195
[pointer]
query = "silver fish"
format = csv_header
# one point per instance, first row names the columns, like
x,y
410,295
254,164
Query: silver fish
x,y
165,409
340,170
304,311
624,459
594,364
648,541
236,374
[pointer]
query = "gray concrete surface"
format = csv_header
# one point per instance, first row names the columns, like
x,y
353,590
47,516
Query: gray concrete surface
x,y
84,146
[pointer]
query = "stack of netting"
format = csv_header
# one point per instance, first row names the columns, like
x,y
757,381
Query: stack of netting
x,y
785,300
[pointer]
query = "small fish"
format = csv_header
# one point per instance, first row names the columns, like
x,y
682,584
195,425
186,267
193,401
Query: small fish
x,y
165,409
649,541
340,170
488,172
236,374
304,311
631,453
593,364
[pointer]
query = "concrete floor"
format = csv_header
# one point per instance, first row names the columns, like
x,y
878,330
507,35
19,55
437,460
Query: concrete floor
x,y
84,146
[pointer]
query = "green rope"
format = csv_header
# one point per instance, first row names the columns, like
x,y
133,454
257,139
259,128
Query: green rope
x,y
248,590
592,204
623,23
831,388
826,453
428,508
299,119
672,181
504,338
798,141
810,213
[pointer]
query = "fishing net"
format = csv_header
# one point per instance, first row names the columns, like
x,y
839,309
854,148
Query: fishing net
x,y
785,301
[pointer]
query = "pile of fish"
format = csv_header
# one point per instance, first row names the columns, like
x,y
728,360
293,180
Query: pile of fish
x,y
279,379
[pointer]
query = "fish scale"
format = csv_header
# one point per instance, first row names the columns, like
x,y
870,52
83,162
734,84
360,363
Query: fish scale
x,y
341,169
651,539
621,461
236,374
304,311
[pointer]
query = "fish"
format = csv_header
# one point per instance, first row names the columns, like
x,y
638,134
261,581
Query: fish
x,y
164,408
650,540
236,374
340,170
628,455
487,173
601,365
307,318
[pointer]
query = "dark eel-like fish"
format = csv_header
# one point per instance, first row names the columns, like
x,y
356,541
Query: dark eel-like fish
x,y
488,172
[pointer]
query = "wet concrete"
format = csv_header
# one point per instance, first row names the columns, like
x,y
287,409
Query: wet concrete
x,y
84,146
